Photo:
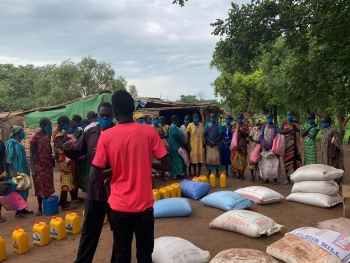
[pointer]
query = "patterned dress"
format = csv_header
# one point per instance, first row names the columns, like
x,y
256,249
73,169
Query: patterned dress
x,y
196,142
292,157
239,156
225,151
67,182
43,182
254,133
310,147
174,146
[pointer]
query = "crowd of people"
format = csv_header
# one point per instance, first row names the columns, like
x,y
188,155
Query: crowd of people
x,y
113,163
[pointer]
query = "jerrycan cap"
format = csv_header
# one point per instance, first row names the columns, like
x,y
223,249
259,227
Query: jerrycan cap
x,y
68,213
17,228
54,217
37,222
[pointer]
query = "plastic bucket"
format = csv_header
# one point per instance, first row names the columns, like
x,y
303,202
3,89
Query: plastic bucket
x,y
50,205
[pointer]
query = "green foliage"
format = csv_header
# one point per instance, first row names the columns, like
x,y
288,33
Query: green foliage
x,y
195,99
133,91
180,2
300,48
27,87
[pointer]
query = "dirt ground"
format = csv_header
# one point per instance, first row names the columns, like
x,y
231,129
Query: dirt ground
x,y
193,228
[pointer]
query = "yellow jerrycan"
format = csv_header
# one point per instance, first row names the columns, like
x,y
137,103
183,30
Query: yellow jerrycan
x,y
172,191
212,180
196,179
41,234
57,228
2,249
177,187
204,179
72,223
223,180
164,193
156,194
20,241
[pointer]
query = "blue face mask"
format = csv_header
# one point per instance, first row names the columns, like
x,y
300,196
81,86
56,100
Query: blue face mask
x,y
269,121
48,129
228,122
239,121
22,135
325,125
186,122
72,131
66,127
156,122
213,120
140,121
105,124
311,122
290,117
196,120
149,121
79,124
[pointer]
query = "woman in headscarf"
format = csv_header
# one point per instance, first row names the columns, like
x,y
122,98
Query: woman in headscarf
x,y
42,163
176,140
17,162
139,118
195,132
240,152
309,134
331,146
213,135
292,157
66,170
226,139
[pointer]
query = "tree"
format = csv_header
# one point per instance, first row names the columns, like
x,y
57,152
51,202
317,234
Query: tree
x,y
180,2
189,99
119,83
133,91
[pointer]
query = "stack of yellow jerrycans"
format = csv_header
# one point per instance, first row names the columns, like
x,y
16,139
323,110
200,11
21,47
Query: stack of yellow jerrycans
x,y
169,191
211,180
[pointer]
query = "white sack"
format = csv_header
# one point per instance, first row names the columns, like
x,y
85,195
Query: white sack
x,y
315,199
316,172
321,187
260,194
242,255
341,225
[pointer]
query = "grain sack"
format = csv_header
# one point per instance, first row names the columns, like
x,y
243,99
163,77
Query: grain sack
x,y
195,190
175,250
226,200
315,199
260,194
172,207
335,243
341,225
293,249
242,255
321,187
248,223
316,172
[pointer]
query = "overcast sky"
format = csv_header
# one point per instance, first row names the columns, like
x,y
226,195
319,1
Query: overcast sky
x,y
160,47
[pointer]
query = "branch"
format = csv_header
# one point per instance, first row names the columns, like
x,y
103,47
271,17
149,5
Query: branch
x,y
345,44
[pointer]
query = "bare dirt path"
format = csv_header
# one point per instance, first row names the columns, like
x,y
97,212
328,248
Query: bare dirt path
x,y
194,228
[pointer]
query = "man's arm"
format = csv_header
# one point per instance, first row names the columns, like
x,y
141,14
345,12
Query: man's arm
x,y
99,175
164,164
77,149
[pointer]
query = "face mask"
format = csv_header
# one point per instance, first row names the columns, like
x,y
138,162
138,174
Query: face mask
x,y
105,124
213,120
311,122
156,122
228,122
240,121
48,129
290,117
149,121
140,121
186,122
72,131
66,127
269,121
22,135
325,125
79,124
196,120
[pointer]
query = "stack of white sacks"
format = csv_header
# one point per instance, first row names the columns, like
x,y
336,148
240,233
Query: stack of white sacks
x,y
314,185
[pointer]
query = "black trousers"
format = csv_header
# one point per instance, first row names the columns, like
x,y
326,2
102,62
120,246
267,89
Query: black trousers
x,y
95,212
124,225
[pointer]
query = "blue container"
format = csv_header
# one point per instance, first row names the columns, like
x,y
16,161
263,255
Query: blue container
x,y
50,205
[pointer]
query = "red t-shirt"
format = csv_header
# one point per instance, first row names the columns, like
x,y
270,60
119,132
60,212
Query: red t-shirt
x,y
128,148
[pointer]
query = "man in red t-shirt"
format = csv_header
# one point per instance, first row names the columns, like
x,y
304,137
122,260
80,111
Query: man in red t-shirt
x,y
128,148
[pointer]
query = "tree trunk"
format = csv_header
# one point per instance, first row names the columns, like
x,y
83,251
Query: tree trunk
x,y
343,121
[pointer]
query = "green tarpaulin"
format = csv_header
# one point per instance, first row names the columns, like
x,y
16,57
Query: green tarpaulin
x,y
81,107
